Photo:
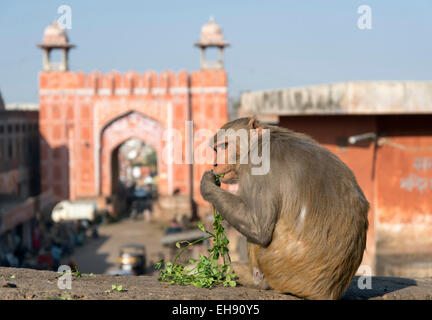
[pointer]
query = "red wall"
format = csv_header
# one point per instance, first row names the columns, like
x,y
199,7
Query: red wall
x,y
76,109
395,174
333,132
404,170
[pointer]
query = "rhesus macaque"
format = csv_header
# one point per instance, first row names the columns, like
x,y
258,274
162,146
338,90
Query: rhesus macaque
x,y
305,220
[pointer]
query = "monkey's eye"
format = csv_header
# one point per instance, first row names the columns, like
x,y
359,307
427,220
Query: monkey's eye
x,y
222,146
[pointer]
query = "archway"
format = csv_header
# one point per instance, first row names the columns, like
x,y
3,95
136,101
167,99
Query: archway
x,y
134,165
120,130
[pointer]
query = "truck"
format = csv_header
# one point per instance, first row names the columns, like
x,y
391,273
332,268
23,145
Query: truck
x,y
74,210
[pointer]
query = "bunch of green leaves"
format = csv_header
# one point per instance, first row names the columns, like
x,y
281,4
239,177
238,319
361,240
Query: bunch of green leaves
x,y
116,288
206,271
66,296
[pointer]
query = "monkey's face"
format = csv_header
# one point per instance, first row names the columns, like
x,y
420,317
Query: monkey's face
x,y
225,162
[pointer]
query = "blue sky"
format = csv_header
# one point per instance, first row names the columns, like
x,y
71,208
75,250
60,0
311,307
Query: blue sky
x,y
275,44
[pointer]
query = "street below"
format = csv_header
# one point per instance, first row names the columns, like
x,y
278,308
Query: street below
x,y
101,255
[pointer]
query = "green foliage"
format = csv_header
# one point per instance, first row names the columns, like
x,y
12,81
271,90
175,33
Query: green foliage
x,y
66,296
78,274
205,272
116,288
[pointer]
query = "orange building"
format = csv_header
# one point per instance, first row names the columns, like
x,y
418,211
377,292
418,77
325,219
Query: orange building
x,y
84,118
383,132
20,198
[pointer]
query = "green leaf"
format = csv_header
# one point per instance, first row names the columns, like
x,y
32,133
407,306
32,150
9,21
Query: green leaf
x,y
207,271
201,226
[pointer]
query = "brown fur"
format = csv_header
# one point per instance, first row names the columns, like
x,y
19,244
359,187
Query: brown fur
x,y
314,257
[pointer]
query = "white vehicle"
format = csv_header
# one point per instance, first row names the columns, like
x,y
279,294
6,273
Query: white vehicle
x,y
74,210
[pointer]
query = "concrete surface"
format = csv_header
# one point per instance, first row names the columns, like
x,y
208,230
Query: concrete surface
x,y
34,284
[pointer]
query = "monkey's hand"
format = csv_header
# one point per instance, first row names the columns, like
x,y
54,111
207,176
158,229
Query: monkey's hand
x,y
208,185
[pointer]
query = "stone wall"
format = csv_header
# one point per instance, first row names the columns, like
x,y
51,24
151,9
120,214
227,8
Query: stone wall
x,y
369,97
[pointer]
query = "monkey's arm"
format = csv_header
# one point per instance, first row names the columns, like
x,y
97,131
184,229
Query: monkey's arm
x,y
255,219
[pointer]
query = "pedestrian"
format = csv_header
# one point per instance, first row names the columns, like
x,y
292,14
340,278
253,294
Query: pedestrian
x,y
95,232
20,252
36,237
11,260
45,260
56,255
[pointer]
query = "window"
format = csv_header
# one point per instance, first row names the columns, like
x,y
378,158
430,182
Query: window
x,y
29,148
23,148
17,149
10,149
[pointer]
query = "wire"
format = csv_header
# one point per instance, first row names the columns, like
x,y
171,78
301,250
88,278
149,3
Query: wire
x,y
386,141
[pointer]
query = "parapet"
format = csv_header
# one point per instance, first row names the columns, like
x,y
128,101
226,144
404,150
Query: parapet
x,y
130,83
351,98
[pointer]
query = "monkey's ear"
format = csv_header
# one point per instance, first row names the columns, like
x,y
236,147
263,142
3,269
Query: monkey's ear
x,y
254,123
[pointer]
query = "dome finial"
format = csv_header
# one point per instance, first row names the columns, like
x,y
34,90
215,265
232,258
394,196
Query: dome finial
x,y
55,37
211,36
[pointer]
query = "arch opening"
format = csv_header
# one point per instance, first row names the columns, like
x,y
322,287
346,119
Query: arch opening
x,y
130,156
134,176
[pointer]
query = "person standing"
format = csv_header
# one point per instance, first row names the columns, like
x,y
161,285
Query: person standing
x,y
56,255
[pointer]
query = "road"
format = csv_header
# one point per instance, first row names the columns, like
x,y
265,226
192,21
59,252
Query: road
x,y
101,255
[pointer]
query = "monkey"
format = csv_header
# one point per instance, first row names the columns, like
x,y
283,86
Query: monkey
x,y
305,220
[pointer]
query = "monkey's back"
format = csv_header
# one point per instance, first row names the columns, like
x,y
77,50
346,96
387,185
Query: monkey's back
x,y
320,237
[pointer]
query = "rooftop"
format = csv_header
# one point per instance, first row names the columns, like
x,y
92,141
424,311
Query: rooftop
x,y
355,98
22,106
